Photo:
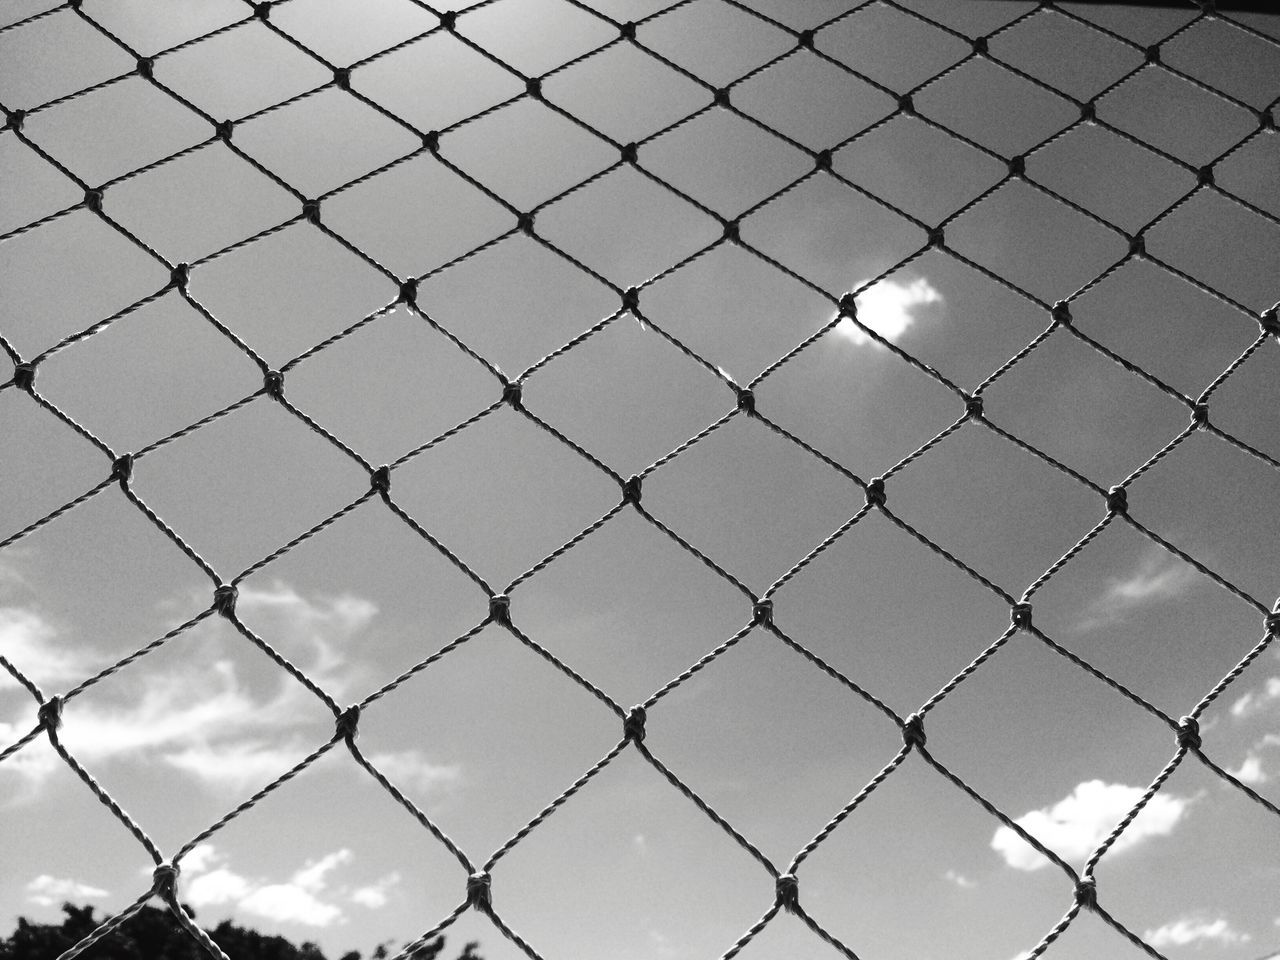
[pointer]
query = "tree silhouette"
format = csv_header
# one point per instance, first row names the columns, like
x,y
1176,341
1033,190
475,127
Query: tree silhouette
x,y
152,934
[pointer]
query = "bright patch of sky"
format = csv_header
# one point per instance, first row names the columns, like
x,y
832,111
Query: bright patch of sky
x,y
1184,932
187,716
888,308
1077,824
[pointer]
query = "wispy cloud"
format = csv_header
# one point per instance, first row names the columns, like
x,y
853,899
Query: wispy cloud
x,y
1075,825
409,768
1260,708
305,898
1189,930
45,890
959,879
320,626
1257,701
888,308
201,716
29,642
1157,576
1254,769
374,896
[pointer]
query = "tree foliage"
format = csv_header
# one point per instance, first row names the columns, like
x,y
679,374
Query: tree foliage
x,y
153,934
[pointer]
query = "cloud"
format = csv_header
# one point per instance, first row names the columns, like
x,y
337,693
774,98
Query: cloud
x,y
887,308
294,623
237,762
219,885
1187,930
409,768
1261,704
1075,825
207,880
959,879
1257,701
1252,769
29,642
201,716
374,896
46,890
1157,576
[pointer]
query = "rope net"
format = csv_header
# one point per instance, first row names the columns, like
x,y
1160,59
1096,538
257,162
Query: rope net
x,y
821,53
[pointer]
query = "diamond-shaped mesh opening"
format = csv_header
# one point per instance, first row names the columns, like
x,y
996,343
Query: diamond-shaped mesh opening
x,y
160,209
881,396
323,141
724,161
555,153
57,55
344,34
148,126
533,36
288,291
995,108
1035,241
714,40
662,228
1244,172
240,71
644,396
897,159
172,368
1065,53
838,105
1174,115
871,39
1139,185
516,301
394,218
64,282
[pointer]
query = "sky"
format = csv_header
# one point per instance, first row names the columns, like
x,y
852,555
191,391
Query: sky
x,y
615,604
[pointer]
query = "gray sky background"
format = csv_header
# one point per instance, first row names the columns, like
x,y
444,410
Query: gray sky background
x,y
490,733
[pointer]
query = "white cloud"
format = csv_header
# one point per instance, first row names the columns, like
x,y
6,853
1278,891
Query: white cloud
x,y
29,642
1075,825
1157,576
959,879
200,716
1256,701
887,308
290,903
237,762
1187,930
1253,769
1250,770
207,880
374,896
295,622
220,885
409,768
46,890
198,859
312,876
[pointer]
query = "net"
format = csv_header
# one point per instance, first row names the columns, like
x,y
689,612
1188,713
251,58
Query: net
x,y
826,86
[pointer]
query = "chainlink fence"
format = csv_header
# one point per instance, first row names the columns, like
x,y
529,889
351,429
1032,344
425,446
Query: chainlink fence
x,y
816,41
